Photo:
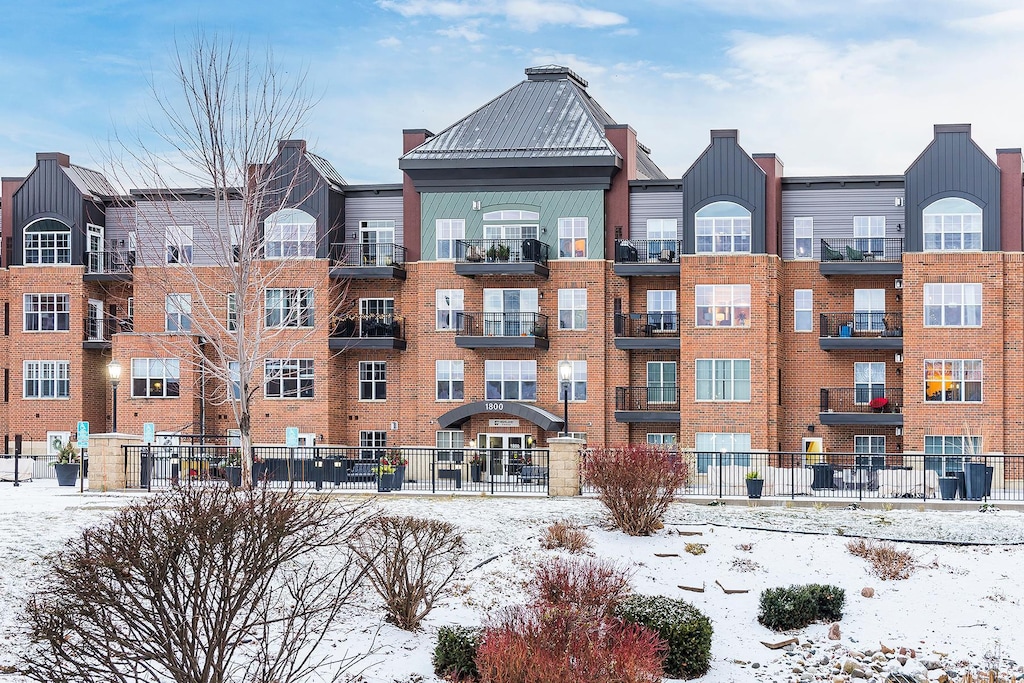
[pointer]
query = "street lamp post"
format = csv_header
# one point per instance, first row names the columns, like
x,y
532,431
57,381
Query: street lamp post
x,y
114,372
565,374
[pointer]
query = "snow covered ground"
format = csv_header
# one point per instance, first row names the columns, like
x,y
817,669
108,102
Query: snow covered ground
x,y
964,601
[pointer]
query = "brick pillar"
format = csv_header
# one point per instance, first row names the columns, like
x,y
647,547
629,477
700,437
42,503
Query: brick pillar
x,y
1011,199
107,463
564,466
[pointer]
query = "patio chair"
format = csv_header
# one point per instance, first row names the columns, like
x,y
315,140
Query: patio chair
x,y
854,254
829,254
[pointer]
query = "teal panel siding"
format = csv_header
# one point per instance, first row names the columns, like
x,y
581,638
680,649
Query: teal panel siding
x,y
551,205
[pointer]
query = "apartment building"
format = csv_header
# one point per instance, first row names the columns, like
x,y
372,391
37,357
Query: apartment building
x,y
729,310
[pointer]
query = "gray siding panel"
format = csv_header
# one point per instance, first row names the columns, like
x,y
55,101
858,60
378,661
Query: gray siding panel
x,y
833,211
120,222
211,239
373,209
646,205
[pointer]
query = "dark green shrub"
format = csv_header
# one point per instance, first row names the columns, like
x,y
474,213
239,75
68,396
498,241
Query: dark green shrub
x,y
797,606
685,629
455,654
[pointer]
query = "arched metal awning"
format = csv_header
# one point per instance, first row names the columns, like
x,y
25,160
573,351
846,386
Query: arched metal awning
x,y
549,422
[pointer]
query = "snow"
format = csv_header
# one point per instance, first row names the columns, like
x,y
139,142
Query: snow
x,y
963,600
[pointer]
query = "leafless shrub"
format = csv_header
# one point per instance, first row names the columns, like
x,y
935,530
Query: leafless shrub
x,y
887,563
565,535
196,586
409,561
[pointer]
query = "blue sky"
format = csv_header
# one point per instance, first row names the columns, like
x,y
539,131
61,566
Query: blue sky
x,y
848,87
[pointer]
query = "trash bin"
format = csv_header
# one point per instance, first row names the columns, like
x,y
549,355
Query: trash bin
x,y
823,477
974,474
947,487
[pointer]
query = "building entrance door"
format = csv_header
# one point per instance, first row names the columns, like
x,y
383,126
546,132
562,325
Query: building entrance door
x,y
505,455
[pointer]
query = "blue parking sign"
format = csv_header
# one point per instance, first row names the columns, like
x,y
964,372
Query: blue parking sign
x,y
148,433
83,434
291,437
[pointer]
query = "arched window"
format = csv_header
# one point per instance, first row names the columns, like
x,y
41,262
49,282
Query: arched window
x,y
47,241
289,233
723,227
952,224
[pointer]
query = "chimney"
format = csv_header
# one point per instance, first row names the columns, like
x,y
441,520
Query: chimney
x,y
772,167
411,139
1011,196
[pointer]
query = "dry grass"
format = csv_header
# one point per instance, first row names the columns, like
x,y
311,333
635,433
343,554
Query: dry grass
x,y
695,548
565,535
887,563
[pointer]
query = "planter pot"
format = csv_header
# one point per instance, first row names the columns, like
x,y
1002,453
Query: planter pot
x,y
947,488
754,487
67,474
385,482
474,473
974,474
234,476
399,477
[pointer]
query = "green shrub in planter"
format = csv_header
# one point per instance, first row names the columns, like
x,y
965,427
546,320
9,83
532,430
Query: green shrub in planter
x,y
797,606
455,654
685,629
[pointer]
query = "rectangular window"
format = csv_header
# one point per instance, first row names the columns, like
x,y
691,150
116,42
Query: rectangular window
x,y
46,248
869,234
178,313
513,380
577,383
869,310
945,454
156,377
803,310
288,308
449,231
572,309
449,445
721,449
377,240
449,303
510,312
723,235
572,237
869,444
47,379
661,309
662,239
288,378
952,305
868,382
232,313
803,238
235,380
952,381
661,439
721,305
290,240
373,380
661,382
179,243
47,312
725,379
952,232
450,378
372,444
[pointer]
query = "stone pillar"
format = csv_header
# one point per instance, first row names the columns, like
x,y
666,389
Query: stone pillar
x,y
107,462
564,466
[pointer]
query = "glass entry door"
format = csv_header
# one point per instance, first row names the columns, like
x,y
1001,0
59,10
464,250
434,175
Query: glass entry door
x,y
505,455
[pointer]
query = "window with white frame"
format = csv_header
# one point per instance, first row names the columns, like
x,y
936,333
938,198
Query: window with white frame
x,y
869,234
661,309
507,236
450,379
666,439
449,231
449,444
869,310
232,313
373,380
510,312
178,313
288,307
47,379
716,449
289,233
377,318
235,232
952,224
662,238
868,443
868,382
572,237
449,303
47,242
952,381
803,310
662,382
234,380
952,304
513,380
47,312
288,378
577,383
803,238
723,379
572,309
722,227
156,377
372,444
722,305
178,240
945,454
377,240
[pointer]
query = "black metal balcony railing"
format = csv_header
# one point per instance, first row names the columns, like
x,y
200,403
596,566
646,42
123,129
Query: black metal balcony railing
x,y
647,398
97,328
109,262
380,325
866,249
502,325
860,324
864,399
366,254
646,324
501,251
647,251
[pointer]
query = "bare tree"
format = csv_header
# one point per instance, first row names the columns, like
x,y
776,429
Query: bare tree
x,y
202,585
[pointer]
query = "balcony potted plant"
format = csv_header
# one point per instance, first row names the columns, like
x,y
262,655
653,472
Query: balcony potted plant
x,y
879,404
398,463
385,476
233,467
492,253
67,464
755,484
504,252
476,464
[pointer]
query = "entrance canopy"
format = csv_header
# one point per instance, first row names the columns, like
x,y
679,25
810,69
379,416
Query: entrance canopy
x,y
540,417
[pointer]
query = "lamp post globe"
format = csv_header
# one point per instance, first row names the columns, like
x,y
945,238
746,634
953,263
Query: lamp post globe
x,y
114,373
565,375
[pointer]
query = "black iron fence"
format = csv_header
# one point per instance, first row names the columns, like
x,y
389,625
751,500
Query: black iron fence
x,y
369,326
860,324
867,398
468,470
502,325
647,398
501,250
858,249
367,254
647,324
112,262
647,251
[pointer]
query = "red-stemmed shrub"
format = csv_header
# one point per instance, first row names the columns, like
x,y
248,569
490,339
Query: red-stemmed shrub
x,y
592,588
636,483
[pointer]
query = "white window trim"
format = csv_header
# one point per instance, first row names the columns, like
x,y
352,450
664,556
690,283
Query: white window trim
x,y
288,314
60,372
164,378
56,311
519,379
809,311
455,304
963,304
949,366
455,230
579,367
373,382
569,229
732,380
572,308
456,370
181,237
296,364
803,223
735,311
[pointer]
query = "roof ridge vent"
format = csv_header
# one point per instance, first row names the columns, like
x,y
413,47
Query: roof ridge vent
x,y
554,72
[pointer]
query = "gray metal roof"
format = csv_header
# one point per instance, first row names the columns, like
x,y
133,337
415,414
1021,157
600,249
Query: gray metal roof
x,y
326,170
89,182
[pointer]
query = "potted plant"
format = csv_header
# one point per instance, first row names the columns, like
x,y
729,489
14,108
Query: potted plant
x,y
385,477
754,484
233,467
476,464
492,253
398,463
504,252
67,464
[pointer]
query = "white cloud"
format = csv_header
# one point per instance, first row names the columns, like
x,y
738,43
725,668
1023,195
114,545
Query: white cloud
x,y
390,41
468,31
1004,21
528,15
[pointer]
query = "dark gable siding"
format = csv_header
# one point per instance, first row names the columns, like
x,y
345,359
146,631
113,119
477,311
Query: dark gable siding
x,y
49,193
952,166
306,190
724,172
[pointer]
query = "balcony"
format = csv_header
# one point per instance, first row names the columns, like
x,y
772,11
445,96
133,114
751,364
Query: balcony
x,y
368,261
373,331
109,266
647,404
647,257
861,331
862,256
502,331
501,257
647,331
97,332
862,406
